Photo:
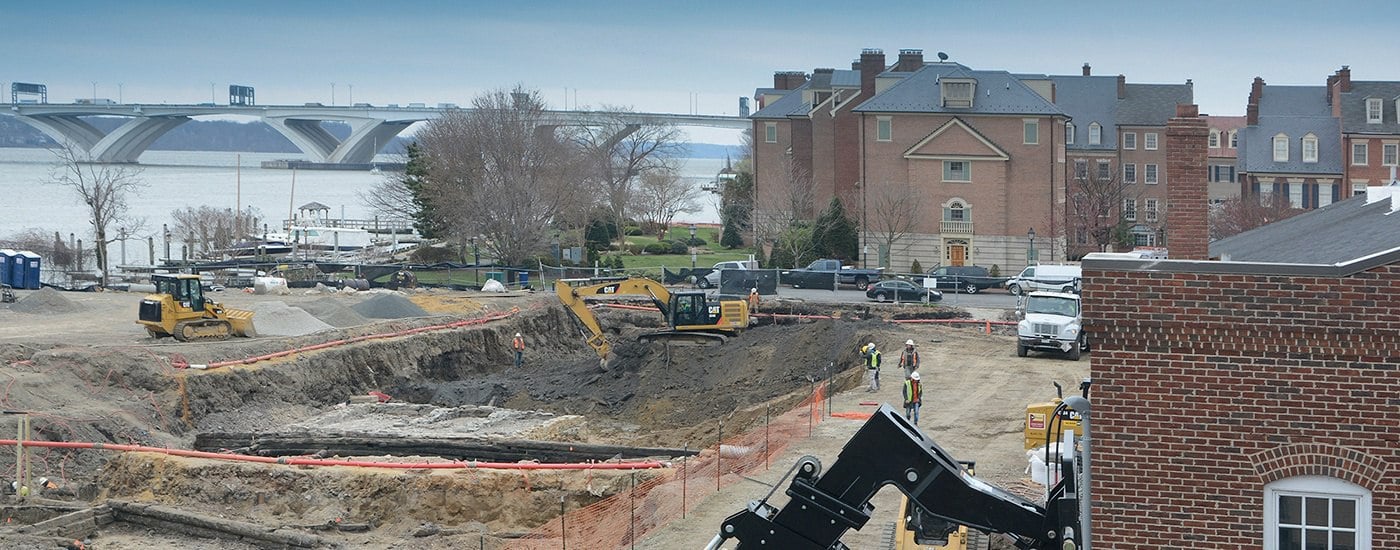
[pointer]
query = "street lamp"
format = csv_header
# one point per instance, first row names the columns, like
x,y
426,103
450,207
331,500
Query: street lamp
x,y
1030,252
692,246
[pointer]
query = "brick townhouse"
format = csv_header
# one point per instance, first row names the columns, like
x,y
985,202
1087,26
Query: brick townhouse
x,y
1222,175
1250,402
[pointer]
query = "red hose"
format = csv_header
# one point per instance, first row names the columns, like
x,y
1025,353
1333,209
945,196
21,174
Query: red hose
x,y
291,461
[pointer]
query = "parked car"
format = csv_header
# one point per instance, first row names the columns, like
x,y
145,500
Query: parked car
x,y
966,278
1051,278
901,291
711,279
824,273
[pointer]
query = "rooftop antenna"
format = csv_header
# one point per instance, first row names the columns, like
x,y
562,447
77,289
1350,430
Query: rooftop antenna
x,y
942,56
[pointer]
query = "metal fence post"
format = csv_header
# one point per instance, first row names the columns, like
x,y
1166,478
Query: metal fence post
x,y
563,534
632,522
719,452
684,455
766,411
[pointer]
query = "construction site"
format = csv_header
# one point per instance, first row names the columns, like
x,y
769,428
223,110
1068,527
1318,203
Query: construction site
x,y
396,419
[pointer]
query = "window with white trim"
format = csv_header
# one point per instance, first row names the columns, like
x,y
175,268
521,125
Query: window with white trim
x,y
957,170
1149,173
1373,110
1149,141
1129,172
956,211
1310,148
1281,148
1358,188
1324,194
1031,129
1390,154
1081,169
1214,138
1104,170
957,92
1130,140
1358,154
1295,195
1095,133
1069,133
1130,209
1149,210
1143,236
770,132
1234,139
1307,512
884,128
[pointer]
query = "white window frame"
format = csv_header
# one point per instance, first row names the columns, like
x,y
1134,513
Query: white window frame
x,y
1129,172
884,128
1364,158
1295,194
1095,134
1069,133
949,100
1149,141
1234,138
1129,140
1130,209
1214,142
1030,131
1324,194
770,132
1375,110
1310,148
1149,210
1390,154
1358,188
967,170
1317,487
1281,147
1149,174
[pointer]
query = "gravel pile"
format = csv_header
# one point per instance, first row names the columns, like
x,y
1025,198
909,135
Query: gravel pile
x,y
280,319
46,301
334,312
389,306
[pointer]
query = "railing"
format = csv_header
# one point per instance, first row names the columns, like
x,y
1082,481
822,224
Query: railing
x,y
375,224
957,227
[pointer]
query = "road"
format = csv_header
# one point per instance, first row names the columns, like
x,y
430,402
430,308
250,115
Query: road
x,y
990,299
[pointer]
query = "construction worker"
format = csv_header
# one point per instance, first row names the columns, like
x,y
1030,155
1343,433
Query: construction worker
x,y
909,360
872,366
913,397
753,300
518,344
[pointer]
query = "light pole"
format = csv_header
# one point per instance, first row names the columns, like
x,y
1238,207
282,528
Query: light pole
x,y
692,246
94,92
351,101
332,94
119,92
1030,251
166,229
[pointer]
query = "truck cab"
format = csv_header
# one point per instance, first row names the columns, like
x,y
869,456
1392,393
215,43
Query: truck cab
x,y
1050,321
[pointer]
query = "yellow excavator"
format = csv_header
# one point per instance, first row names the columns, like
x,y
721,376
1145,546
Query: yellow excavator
x,y
691,316
178,308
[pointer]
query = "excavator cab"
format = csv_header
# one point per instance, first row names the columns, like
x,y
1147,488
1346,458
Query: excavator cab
x,y
690,309
179,309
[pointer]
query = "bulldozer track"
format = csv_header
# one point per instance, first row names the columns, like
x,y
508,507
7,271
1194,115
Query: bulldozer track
x,y
202,330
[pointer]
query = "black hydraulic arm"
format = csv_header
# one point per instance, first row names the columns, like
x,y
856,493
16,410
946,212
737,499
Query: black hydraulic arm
x,y
888,450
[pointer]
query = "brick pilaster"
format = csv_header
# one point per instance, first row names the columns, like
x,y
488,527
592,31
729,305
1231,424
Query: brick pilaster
x,y
1187,234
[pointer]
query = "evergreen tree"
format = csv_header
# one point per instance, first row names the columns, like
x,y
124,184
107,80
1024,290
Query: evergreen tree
x,y
836,236
415,178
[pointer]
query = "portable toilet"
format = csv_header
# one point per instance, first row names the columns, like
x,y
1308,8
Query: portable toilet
x,y
17,270
29,262
5,256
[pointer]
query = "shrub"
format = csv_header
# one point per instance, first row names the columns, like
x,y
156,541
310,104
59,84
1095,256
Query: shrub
x,y
678,247
433,254
660,247
995,271
633,249
698,242
632,231
915,267
731,239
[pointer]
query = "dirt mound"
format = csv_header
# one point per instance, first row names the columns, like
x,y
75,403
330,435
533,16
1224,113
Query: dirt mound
x,y
280,319
388,306
46,301
334,312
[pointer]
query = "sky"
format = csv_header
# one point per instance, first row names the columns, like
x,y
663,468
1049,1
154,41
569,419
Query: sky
x,y
660,56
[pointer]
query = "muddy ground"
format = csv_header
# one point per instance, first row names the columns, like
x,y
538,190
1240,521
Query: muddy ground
x,y
92,375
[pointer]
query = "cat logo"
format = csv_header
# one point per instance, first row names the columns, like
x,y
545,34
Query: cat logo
x,y
610,289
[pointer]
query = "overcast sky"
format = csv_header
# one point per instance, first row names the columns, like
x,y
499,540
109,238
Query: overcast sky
x,y
662,56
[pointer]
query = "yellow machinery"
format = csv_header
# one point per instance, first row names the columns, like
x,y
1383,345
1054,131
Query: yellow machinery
x,y
692,318
915,531
179,309
1039,416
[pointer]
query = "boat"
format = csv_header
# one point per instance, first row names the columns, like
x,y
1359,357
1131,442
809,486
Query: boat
x,y
330,239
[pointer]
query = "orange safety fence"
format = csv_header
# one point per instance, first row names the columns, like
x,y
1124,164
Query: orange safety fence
x,y
658,497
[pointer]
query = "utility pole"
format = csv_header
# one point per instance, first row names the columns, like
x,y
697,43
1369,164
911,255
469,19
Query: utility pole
x,y
351,101
119,92
332,94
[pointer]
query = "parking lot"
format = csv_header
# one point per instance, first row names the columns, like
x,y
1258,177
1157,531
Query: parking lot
x,y
991,299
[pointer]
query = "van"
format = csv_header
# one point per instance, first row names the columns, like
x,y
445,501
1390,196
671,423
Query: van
x,y
1054,278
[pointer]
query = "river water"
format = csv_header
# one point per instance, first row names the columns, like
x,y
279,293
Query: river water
x,y
177,179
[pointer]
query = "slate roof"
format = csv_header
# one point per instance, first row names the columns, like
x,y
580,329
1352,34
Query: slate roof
x,y
1338,233
845,78
1294,111
1151,104
1354,107
998,92
1089,99
785,106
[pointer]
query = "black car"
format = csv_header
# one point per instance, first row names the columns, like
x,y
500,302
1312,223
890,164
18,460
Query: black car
x,y
901,291
966,278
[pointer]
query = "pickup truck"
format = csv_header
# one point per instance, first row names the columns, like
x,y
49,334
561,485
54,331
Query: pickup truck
x,y
966,278
822,273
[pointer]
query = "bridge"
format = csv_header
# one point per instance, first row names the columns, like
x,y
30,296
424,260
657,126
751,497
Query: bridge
x,y
371,127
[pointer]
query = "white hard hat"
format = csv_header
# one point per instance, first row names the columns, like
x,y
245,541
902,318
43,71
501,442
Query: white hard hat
x,y
914,375
909,342
871,345
517,335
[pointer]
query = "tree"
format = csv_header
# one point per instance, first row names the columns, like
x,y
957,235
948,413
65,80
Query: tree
x,y
783,213
404,196
1095,206
210,228
661,195
1239,214
621,151
835,234
736,208
103,189
893,215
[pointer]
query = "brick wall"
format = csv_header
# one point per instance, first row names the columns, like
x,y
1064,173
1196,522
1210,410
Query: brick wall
x,y
1187,231
1209,386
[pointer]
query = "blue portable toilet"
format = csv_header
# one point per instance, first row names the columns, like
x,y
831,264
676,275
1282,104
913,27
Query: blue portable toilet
x,y
5,259
29,262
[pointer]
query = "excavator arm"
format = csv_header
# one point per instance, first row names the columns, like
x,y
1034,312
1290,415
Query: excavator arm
x,y
573,299
888,450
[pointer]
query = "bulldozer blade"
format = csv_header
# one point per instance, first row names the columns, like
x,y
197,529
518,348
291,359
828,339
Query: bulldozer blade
x,y
241,322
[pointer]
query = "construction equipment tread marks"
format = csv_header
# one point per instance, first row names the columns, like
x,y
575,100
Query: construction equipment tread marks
x,y
691,338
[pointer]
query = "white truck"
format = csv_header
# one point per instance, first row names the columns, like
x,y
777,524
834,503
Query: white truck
x,y
1050,321
711,279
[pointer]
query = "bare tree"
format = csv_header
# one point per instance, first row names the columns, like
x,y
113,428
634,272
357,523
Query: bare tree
x,y
1239,214
103,190
501,172
210,229
1095,206
783,212
49,245
662,194
893,214
623,150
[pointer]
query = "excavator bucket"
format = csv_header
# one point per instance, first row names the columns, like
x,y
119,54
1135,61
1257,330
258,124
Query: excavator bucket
x,y
241,321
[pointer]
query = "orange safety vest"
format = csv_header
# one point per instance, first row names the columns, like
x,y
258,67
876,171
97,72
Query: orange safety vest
x,y
910,359
518,344
913,391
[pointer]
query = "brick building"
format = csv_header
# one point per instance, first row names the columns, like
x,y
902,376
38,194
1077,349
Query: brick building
x,y
1223,143
1254,398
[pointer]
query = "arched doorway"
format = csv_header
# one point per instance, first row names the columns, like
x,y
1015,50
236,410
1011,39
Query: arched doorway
x,y
955,251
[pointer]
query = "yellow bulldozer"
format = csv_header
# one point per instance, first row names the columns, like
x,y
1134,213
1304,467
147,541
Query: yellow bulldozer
x,y
179,309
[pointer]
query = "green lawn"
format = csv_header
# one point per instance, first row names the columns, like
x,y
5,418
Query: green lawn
x,y
677,261
680,233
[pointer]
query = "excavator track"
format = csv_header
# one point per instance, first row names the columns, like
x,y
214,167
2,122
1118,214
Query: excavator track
x,y
691,338
203,329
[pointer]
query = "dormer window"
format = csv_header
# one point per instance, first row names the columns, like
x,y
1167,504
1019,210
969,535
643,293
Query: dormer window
x,y
1095,133
1281,148
1373,110
1309,148
1214,138
957,92
1069,133
1234,139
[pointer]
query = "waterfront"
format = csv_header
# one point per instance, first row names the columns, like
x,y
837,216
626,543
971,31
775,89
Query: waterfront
x,y
179,179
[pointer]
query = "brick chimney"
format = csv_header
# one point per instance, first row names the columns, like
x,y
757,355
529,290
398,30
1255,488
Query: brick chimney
x,y
1337,84
1256,93
872,63
1187,236
1344,78
1087,72
855,64
789,80
1122,87
910,60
